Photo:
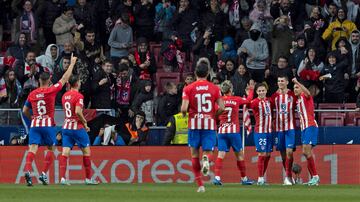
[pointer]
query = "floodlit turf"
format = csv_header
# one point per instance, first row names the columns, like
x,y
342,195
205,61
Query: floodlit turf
x,y
177,192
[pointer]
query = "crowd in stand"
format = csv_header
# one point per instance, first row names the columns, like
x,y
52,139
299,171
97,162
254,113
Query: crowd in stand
x,y
316,41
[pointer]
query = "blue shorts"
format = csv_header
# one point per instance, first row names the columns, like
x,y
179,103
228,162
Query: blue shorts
x,y
70,137
204,138
263,142
42,136
225,141
285,140
310,135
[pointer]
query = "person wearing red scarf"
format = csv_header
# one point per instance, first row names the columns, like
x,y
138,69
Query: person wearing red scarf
x,y
145,61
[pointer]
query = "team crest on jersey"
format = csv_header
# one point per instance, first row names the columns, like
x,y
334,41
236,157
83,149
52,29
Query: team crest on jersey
x,y
283,108
267,109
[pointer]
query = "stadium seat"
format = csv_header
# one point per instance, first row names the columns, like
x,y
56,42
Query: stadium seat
x,y
163,77
331,106
158,56
332,119
356,119
350,116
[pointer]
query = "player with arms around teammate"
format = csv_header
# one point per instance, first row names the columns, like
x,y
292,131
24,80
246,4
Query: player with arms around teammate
x,y
229,132
200,98
261,107
75,130
309,128
284,103
42,130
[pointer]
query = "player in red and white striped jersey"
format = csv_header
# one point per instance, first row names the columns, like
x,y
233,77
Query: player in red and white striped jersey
x,y
284,102
262,136
309,128
42,130
75,130
200,98
229,131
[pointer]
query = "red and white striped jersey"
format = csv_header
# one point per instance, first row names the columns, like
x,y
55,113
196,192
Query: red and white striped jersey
x,y
262,113
42,101
284,105
70,101
305,107
229,119
202,96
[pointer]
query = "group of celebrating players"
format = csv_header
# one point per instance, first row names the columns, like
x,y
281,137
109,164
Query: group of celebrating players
x,y
206,106
42,131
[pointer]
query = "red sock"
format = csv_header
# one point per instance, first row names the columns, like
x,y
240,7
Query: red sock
x,y
29,159
311,166
63,165
87,165
289,163
261,166
196,170
218,166
242,168
49,158
266,163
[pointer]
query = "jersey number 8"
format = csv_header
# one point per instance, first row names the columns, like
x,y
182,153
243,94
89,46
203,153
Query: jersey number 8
x,y
67,106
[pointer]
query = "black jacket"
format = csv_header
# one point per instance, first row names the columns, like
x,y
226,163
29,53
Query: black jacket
x,y
239,83
50,12
335,84
182,23
101,95
168,106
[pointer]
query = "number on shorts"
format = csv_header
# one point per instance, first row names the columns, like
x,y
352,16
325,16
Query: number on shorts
x,y
262,141
41,108
67,106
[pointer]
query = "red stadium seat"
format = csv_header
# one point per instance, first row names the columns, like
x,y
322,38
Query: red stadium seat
x,y
356,119
332,119
158,56
331,106
163,77
350,116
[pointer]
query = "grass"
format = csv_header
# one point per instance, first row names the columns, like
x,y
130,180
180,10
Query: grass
x,y
177,192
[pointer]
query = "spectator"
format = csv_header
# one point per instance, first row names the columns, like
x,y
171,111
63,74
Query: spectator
x,y
143,101
309,71
64,27
5,17
183,22
135,132
176,130
121,39
255,52
353,11
330,13
297,52
27,71
240,80
92,51
84,15
108,136
20,49
294,10
341,27
333,76
51,10
124,7
164,12
50,57
227,72
171,50
261,15
280,69
56,76
282,37
168,104
189,78
101,87
228,49
243,33
239,10
204,47
215,19
26,20
124,91
16,139
144,60
355,66
144,13
317,19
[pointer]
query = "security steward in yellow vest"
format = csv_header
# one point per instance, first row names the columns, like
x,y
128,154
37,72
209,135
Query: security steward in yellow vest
x,y
176,130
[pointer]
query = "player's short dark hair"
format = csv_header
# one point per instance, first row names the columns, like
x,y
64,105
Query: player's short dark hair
x,y
202,69
73,80
258,85
283,76
44,76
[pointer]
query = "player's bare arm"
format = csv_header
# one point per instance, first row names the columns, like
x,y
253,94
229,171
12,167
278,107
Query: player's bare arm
x,y
221,105
65,78
79,113
26,111
302,87
184,106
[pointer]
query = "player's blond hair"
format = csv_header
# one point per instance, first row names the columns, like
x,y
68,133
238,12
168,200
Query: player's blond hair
x,y
226,87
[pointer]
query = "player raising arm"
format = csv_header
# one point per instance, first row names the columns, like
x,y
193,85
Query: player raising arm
x,y
309,128
229,132
74,130
42,130
262,136
200,98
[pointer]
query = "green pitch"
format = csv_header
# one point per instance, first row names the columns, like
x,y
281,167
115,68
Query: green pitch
x,y
177,192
